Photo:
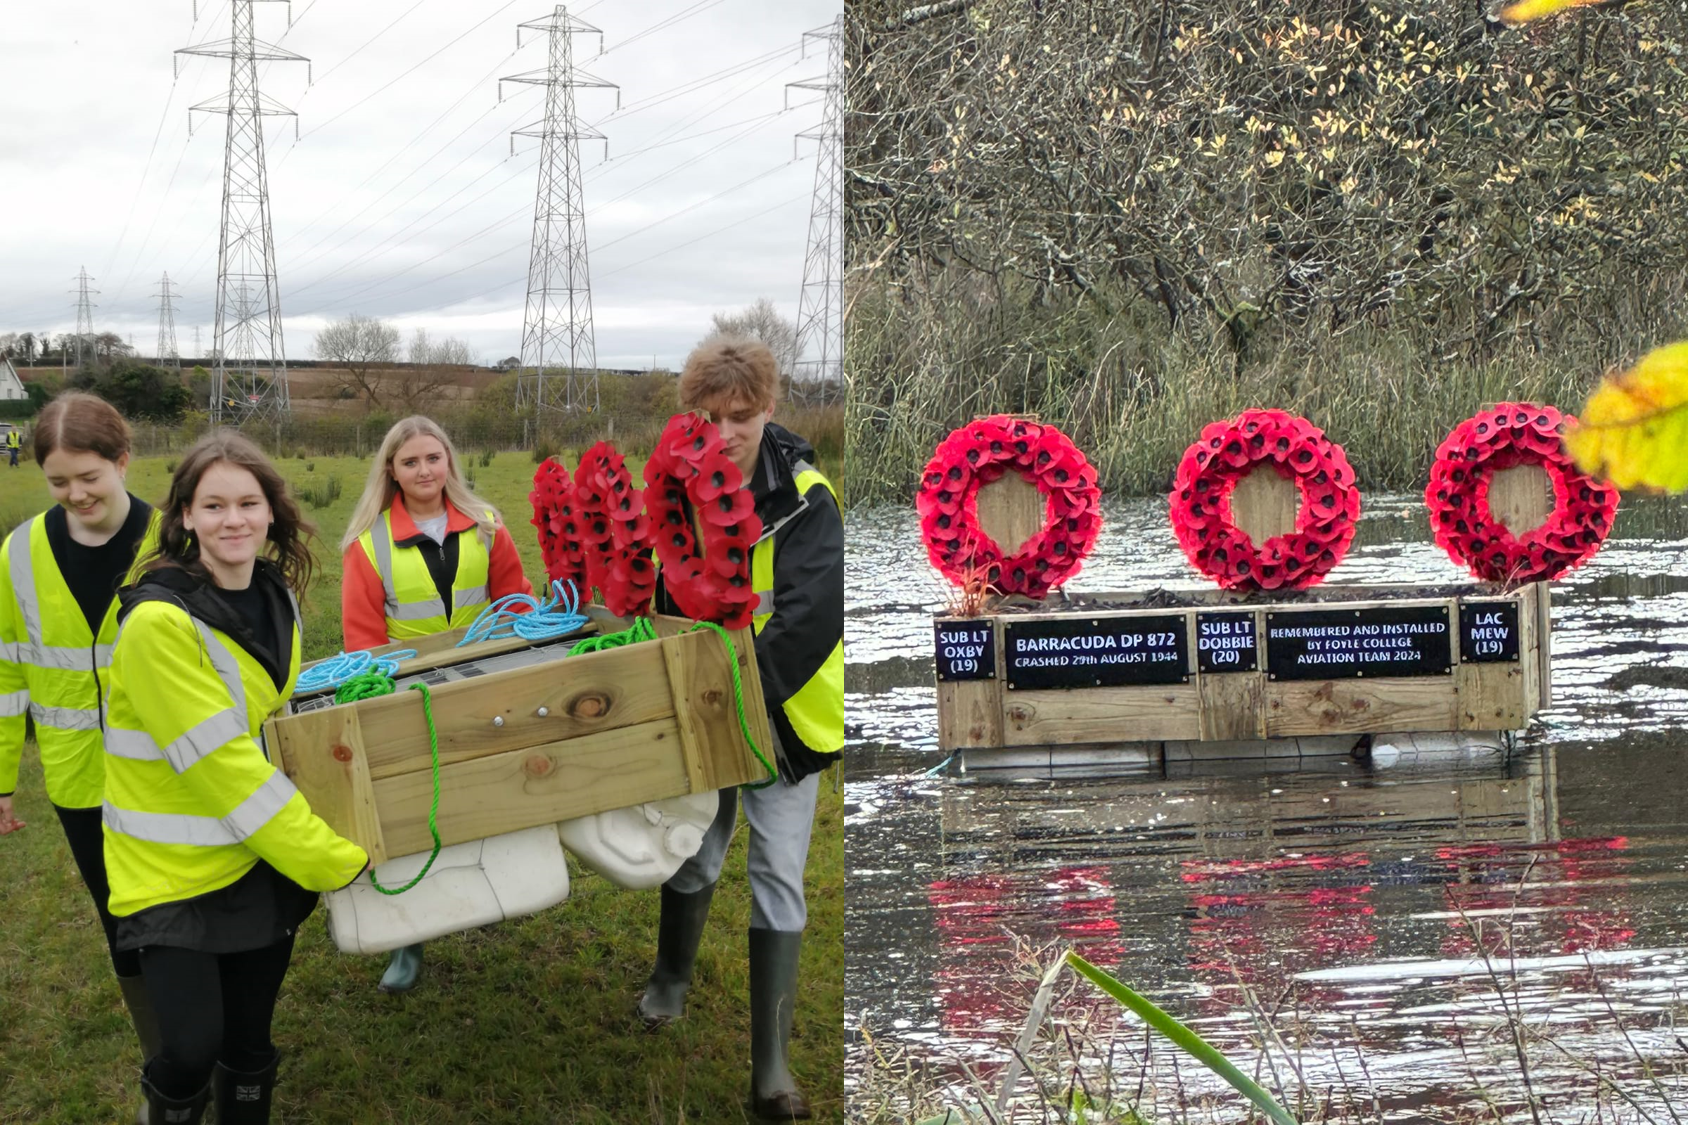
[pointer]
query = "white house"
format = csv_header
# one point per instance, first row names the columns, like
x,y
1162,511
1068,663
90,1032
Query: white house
x,y
11,387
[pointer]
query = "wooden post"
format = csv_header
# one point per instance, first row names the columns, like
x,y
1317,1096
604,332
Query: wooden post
x,y
1011,510
1521,498
1264,504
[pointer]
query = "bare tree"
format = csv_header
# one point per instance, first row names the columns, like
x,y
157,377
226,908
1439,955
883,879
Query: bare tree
x,y
358,344
763,322
430,368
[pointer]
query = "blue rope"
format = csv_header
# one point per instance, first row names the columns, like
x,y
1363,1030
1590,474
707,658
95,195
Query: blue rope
x,y
336,670
556,616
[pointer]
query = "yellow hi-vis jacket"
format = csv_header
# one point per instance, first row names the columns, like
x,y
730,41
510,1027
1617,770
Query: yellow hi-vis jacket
x,y
816,709
412,600
51,665
191,801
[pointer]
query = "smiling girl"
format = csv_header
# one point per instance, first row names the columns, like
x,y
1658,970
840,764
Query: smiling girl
x,y
59,575
215,859
422,554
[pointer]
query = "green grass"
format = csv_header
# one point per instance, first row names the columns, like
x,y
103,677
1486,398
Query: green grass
x,y
526,1021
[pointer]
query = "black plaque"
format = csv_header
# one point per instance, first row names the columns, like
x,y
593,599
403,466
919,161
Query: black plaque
x,y
1078,652
1488,632
1338,644
1225,642
964,650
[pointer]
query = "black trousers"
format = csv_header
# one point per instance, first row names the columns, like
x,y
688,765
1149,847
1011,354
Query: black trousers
x,y
84,831
211,1007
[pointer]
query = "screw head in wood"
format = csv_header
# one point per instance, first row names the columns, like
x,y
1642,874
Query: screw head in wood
x,y
544,711
498,720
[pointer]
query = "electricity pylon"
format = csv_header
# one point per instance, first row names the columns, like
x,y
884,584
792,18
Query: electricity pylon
x,y
84,317
250,374
557,344
820,305
166,351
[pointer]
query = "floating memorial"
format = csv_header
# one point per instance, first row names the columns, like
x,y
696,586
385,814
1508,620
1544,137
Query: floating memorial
x,y
1276,661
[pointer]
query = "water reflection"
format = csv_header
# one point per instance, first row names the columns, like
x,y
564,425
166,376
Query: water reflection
x,y
1354,900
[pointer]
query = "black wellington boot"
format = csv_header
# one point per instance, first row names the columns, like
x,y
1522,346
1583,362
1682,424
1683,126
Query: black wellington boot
x,y
774,1095
172,1111
243,1096
678,935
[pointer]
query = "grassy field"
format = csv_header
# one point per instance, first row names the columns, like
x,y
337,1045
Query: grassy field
x,y
526,1021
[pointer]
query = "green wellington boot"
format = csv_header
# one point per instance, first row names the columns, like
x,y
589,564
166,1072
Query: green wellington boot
x,y
678,935
243,1096
135,998
774,1095
172,1111
403,969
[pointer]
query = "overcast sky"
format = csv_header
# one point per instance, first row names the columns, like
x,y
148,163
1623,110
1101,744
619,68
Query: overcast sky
x,y
400,199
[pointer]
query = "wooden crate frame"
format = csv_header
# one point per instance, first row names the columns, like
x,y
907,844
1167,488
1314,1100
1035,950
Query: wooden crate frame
x,y
1237,706
620,727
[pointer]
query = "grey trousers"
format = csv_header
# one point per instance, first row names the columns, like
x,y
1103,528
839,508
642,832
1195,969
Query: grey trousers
x,y
781,818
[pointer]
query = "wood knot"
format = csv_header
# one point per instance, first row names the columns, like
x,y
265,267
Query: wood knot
x,y
538,765
590,706
712,697
342,753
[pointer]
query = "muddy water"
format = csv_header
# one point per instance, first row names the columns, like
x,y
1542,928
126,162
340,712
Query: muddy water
x,y
1352,899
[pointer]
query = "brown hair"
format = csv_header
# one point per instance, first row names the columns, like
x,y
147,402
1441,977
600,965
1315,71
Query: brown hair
x,y
289,535
81,423
738,369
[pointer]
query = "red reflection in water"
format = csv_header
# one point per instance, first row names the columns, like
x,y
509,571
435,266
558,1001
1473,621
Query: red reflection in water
x,y
975,979
1562,883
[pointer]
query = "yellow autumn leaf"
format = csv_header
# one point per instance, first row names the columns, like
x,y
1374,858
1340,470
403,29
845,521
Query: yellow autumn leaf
x,y
1634,427
1526,10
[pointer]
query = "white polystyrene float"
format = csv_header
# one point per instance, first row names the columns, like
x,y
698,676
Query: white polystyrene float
x,y
516,874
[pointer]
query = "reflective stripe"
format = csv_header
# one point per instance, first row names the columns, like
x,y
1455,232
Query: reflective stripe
x,y
205,831
416,611
64,718
764,603
23,580
64,658
197,743
476,595
227,668
381,538
13,704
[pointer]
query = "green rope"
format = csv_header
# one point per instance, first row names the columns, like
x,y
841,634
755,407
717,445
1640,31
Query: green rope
x,y
738,698
434,809
365,685
640,630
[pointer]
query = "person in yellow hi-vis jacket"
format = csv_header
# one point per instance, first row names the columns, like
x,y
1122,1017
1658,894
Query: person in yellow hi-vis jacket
x,y
59,574
797,572
421,554
215,859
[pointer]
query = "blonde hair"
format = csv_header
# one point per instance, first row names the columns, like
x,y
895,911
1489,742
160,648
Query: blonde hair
x,y
380,488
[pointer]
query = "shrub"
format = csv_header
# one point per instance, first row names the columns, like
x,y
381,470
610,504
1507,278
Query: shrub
x,y
323,492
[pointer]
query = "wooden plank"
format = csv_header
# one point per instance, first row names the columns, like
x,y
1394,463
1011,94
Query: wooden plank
x,y
1011,509
1374,705
488,796
1232,705
1529,658
322,753
1107,714
1264,504
440,649
705,697
1491,696
581,695
674,656
1521,497
1544,640
970,711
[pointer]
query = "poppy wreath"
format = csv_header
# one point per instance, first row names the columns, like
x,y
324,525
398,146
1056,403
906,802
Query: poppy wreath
x,y
981,452
1514,433
688,467
1298,451
614,529
559,530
